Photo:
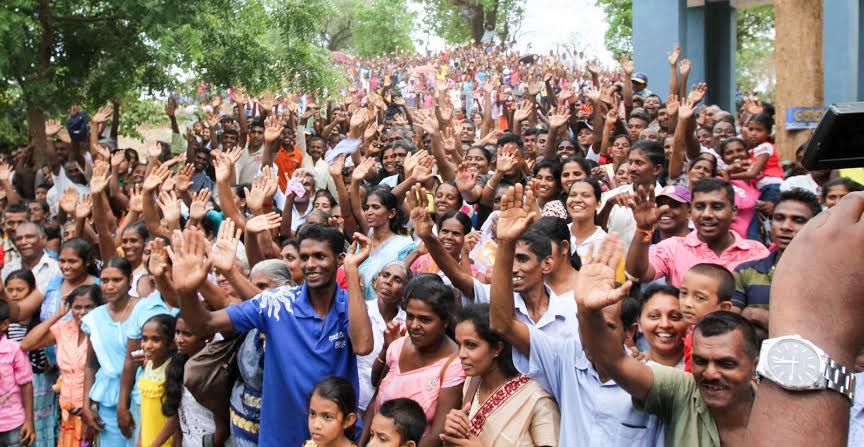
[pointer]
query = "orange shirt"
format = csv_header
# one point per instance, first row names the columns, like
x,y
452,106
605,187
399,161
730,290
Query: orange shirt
x,y
287,161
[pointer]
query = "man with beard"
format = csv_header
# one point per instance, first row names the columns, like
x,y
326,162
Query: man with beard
x,y
313,330
29,240
711,406
712,211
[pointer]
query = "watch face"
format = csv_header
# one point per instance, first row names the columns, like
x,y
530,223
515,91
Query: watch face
x,y
794,364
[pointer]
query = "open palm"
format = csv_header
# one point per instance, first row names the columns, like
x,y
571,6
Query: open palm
x,y
516,213
595,288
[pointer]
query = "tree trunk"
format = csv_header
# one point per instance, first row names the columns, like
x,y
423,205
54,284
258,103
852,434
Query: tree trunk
x,y
36,131
475,20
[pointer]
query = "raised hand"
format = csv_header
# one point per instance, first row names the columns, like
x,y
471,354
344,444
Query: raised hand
x,y
136,199
524,111
430,125
626,64
224,250
337,166
233,155
645,210
52,127
686,110
611,117
516,214
84,207
99,180
697,92
69,200
272,129
156,177
117,159
363,169
264,222
466,178
171,106
359,120
596,286
369,133
593,94
506,160
170,206
359,251
5,171
559,118
190,263
198,207
393,332
593,68
240,97
684,67
157,263
673,56
103,114
221,166
417,201
672,105
265,100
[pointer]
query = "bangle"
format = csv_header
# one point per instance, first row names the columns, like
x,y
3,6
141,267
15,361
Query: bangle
x,y
378,359
648,234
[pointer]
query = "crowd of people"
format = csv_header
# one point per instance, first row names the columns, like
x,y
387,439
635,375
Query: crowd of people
x,y
471,248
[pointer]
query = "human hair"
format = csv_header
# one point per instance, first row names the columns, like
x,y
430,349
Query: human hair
x,y
42,204
119,263
431,290
478,314
510,137
803,196
407,416
16,208
764,119
24,275
165,324
408,273
701,157
340,391
452,183
390,202
581,161
91,290
276,269
258,121
722,322
630,310
323,233
531,131
483,151
83,250
326,194
230,131
652,150
656,289
710,184
556,230
174,384
459,216
538,243
726,141
640,115
139,227
553,165
595,185
4,316
404,144
850,185
725,279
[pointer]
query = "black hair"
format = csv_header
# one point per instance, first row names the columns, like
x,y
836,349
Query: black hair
x,y
711,184
803,196
538,243
764,119
323,233
431,290
405,144
43,186
530,131
203,150
722,322
119,263
459,199
478,314
326,194
656,289
165,324
850,185
701,157
725,279
390,202
581,161
483,151
640,115
257,122
553,165
174,384
16,208
510,137
595,185
340,391
42,204
726,141
84,250
652,149
4,316
230,131
629,311
460,217
91,290
24,275
139,227
556,230
407,416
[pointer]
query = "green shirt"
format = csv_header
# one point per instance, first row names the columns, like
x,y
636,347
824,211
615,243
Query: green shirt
x,y
675,399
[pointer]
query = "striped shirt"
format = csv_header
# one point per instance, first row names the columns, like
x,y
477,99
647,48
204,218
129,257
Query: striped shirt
x,y
753,282
38,358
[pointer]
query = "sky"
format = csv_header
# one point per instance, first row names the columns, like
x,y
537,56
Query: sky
x,y
548,24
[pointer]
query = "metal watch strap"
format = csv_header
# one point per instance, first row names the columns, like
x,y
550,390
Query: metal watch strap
x,y
840,379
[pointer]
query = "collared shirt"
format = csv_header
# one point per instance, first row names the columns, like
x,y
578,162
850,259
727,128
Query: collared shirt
x,y
201,180
674,256
302,348
592,412
17,372
675,398
366,362
9,252
753,282
44,270
621,218
558,321
298,219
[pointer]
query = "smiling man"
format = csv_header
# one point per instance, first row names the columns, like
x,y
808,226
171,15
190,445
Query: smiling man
x,y
712,211
30,241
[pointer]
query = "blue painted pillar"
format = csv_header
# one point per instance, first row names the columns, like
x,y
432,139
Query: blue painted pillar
x,y
693,46
657,25
841,50
720,45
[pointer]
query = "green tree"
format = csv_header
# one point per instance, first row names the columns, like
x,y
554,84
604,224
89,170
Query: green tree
x,y
382,26
338,30
755,48
457,21
619,17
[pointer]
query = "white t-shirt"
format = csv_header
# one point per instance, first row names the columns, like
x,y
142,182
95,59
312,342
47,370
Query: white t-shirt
x,y
805,182
366,362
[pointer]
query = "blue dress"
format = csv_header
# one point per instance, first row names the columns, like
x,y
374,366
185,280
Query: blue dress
x,y
396,248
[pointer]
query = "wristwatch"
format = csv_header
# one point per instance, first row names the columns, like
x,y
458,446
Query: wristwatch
x,y
797,364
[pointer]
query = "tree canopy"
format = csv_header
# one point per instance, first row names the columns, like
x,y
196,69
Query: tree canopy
x,y
457,21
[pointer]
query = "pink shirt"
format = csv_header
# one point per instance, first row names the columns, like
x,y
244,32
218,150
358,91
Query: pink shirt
x,y
421,384
15,371
674,256
746,197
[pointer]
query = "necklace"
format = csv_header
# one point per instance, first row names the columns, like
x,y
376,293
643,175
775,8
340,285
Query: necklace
x,y
122,315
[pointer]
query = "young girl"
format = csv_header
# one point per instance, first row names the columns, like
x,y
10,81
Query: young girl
x,y
332,413
196,421
157,342
765,170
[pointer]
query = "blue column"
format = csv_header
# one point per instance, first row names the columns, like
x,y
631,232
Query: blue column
x,y
693,47
720,44
657,25
841,50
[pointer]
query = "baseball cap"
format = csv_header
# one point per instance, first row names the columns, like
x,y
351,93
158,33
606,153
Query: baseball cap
x,y
639,77
676,193
583,125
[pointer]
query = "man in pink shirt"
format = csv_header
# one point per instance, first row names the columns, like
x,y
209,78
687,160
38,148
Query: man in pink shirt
x,y
16,389
712,212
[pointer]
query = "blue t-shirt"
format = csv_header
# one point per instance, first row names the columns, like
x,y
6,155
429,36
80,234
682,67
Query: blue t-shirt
x,y
300,350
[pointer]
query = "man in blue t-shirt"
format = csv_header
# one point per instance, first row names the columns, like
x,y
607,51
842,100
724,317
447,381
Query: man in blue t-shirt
x,y
312,331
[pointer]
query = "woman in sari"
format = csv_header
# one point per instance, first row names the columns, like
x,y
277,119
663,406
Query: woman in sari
x,y
501,407
385,220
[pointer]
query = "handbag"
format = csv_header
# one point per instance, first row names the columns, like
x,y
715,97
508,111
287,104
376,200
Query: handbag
x,y
210,374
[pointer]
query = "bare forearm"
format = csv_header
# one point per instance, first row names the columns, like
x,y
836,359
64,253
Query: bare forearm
x,y
241,284
229,206
359,326
449,266
637,264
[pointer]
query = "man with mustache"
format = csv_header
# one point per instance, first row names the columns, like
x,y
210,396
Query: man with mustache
x,y
712,406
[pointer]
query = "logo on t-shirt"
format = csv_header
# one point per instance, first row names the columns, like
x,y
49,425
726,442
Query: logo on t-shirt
x,y
339,340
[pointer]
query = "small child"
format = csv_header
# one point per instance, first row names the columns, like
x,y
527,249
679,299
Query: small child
x,y
705,288
16,389
157,342
332,414
398,423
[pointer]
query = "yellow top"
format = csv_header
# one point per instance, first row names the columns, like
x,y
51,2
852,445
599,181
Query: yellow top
x,y
151,384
